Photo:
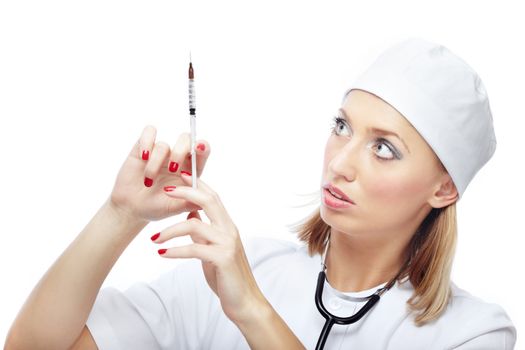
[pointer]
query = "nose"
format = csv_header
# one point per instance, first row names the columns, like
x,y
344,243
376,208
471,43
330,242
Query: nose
x,y
345,161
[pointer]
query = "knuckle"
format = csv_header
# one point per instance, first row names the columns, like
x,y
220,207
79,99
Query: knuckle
x,y
234,230
169,207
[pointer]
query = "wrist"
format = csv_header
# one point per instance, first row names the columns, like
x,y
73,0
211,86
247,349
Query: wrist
x,y
122,219
264,328
258,312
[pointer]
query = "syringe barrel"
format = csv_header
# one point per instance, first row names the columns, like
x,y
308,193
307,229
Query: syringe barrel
x,y
191,91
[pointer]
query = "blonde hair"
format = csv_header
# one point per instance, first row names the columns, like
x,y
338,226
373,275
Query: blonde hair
x,y
428,264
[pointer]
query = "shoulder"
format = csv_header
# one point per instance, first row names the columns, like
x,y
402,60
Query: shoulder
x,y
487,314
481,323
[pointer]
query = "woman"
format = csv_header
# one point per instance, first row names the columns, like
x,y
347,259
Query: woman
x,y
411,133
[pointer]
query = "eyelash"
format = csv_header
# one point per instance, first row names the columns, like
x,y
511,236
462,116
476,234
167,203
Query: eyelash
x,y
338,121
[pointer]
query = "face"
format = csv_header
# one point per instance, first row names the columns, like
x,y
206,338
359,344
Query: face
x,y
391,179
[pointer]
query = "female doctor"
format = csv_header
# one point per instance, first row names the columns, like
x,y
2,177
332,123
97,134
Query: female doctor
x,y
373,271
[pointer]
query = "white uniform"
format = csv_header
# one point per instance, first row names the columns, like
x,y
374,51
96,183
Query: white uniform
x,y
179,311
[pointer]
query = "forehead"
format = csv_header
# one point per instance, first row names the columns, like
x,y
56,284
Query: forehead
x,y
368,109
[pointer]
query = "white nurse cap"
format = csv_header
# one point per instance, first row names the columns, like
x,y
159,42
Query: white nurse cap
x,y
442,97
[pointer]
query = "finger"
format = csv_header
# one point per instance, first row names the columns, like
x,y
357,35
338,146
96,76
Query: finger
x,y
187,179
179,152
204,252
204,197
203,152
194,214
142,149
157,158
195,228
174,207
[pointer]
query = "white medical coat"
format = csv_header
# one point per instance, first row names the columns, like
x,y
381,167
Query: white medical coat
x,y
178,310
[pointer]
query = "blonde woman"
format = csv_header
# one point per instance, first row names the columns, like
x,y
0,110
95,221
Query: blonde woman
x,y
373,271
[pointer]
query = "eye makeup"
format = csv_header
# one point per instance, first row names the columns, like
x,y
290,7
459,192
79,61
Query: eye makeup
x,y
338,121
346,118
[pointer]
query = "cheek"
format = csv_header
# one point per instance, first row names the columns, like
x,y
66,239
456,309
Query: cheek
x,y
380,184
395,188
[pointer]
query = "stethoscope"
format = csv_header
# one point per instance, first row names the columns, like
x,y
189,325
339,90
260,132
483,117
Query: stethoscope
x,y
332,319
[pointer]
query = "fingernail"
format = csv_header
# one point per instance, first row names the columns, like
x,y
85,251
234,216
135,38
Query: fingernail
x,y
174,166
169,188
148,182
155,236
145,155
201,147
185,173
162,251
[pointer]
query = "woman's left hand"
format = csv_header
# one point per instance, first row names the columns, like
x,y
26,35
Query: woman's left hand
x,y
220,249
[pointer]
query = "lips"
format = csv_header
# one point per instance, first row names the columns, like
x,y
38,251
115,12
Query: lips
x,y
337,193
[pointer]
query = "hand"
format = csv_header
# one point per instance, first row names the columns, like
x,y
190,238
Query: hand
x,y
131,196
218,246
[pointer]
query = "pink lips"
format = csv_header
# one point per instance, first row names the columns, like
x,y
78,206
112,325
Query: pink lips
x,y
333,202
337,191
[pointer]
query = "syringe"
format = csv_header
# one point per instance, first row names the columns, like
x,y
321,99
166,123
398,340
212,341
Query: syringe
x,y
193,122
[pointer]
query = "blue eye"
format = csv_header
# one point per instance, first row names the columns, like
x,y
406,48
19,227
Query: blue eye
x,y
383,150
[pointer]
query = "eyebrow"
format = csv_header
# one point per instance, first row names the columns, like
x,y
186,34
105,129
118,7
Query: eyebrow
x,y
377,130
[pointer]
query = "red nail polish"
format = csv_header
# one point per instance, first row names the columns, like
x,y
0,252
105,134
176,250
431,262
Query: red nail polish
x,y
155,236
174,166
148,182
201,147
169,188
162,251
185,173
145,155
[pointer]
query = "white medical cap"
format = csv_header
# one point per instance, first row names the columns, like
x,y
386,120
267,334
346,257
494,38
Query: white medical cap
x,y
442,97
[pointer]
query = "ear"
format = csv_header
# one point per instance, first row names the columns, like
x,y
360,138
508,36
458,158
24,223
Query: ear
x,y
445,193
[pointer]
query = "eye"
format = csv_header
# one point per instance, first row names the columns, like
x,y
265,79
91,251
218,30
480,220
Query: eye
x,y
385,151
382,148
338,122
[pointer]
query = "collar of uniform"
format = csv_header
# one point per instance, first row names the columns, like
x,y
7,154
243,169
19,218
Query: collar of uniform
x,y
353,296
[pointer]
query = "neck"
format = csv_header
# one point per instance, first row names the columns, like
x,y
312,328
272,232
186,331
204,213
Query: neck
x,y
355,263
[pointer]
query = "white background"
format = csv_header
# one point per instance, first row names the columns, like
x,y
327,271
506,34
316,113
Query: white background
x,y
80,80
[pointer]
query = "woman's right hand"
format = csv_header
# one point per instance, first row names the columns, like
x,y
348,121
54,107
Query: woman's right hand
x,y
135,197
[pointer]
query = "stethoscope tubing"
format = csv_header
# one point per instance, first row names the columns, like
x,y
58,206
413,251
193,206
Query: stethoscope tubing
x,y
333,319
